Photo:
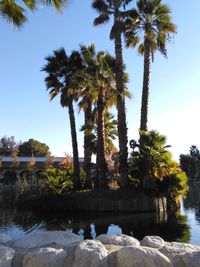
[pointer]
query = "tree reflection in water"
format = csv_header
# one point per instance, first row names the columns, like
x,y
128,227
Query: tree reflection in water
x,y
89,224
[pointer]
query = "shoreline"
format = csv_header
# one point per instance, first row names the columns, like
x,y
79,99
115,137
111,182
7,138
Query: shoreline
x,y
63,249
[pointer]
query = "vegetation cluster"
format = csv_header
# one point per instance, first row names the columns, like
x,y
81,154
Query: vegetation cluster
x,y
97,81
190,163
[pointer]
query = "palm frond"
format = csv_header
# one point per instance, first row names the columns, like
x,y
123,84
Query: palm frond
x,y
58,4
100,6
101,19
12,12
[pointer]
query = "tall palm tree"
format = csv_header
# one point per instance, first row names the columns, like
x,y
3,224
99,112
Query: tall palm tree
x,y
15,12
60,71
151,21
88,95
106,10
105,83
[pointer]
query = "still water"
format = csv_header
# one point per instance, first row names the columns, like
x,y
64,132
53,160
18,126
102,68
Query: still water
x,y
185,227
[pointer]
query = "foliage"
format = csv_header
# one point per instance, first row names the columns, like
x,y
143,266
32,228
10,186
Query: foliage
x,y
151,164
108,9
67,163
59,180
150,21
7,145
15,12
31,164
33,147
15,161
61,80
190,163
152,157
149,25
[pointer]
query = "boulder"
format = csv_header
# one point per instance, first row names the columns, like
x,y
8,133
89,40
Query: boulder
x,y
60,238
175,250
112,254
44,257
6,256
132,256
191,259
90,253
153,242
119,240
4,238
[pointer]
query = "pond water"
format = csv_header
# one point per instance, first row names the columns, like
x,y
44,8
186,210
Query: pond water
x,y
185,227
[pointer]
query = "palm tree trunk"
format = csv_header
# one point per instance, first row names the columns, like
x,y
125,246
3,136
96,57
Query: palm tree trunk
x,y
145,89
101,161
77,184
121,116
87,144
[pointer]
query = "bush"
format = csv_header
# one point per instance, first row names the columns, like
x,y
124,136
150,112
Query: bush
x,y
59,180
152,167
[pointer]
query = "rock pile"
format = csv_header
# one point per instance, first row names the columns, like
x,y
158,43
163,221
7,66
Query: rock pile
x,y
63,249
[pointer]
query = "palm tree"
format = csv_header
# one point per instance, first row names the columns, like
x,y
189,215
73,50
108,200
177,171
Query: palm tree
x,y
111,133
99,77
15,13
60,71
88,95
152,20
105,83
106,10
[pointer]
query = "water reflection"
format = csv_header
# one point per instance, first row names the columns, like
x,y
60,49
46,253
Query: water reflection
x,y
191,208
89,224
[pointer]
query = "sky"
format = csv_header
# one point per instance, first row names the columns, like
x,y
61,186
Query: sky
x,y
25,110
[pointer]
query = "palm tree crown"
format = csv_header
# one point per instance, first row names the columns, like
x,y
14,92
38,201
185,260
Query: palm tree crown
x,y
151,21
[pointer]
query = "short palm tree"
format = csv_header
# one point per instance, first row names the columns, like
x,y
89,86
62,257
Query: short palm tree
x,y
100,76
15,12
152,25
60,71
106,10
111,133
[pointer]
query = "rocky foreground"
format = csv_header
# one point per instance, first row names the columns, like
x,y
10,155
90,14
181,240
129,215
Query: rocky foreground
x,y
62,249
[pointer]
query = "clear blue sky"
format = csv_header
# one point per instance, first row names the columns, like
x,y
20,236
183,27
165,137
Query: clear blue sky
x,y
174,90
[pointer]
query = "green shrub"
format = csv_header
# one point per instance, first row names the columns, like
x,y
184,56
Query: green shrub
x,y
152,167
59,180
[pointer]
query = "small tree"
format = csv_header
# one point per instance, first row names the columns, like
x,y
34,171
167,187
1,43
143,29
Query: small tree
x,y
15,161
7,145
31,164
190,163
49,161
33,147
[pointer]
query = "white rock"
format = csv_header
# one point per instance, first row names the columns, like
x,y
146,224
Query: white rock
x,y
90,253
119,240
45,257
175,250
184,246
152,241
4,238
6,256
132,256
112,254
191,259
60,238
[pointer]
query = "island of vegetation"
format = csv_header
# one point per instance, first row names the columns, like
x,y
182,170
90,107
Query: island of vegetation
x,y
97,81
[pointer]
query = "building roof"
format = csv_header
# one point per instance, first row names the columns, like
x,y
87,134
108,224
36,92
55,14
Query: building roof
x,y
37,159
